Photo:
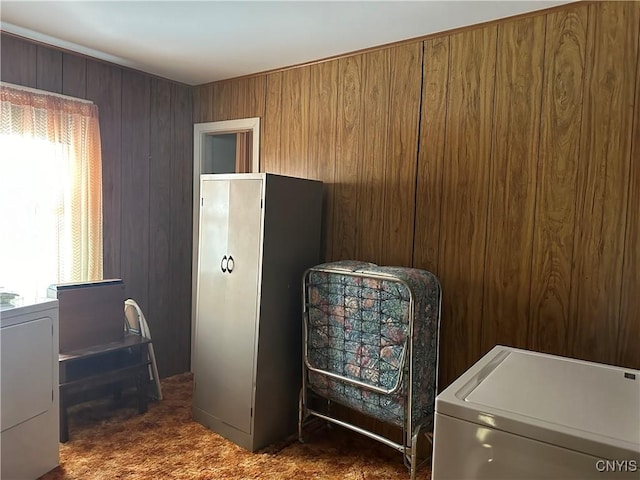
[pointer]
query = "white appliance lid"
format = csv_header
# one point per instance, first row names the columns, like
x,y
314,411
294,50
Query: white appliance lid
x,y
580,405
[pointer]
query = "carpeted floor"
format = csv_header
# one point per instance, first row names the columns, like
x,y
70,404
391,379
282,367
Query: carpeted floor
x,y
108,443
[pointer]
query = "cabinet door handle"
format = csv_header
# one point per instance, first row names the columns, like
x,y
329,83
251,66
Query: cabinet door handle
x,y
230,264
224,263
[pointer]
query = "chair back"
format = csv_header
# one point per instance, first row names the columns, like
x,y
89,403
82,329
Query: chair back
x,y
135,322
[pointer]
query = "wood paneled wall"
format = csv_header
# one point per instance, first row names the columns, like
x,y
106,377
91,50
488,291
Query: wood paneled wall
x,y
504,158
147,144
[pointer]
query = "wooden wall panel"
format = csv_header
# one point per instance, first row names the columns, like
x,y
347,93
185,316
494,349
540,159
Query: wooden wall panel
x,y
376,88
566,36
237,94
348,157
74,75
160,180
465,192
19,61
323,100
402,155
525,180
628,352
294,105
512,184
254,97
179,313
431,154
146,203
222,101
48,69
583,176
199,102
203,104
104,87
271,127
235,102
603,182
134,260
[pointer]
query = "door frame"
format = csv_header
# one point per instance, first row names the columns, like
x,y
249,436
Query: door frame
x,y
202,130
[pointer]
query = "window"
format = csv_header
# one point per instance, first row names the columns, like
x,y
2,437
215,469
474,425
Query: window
x,y
50,192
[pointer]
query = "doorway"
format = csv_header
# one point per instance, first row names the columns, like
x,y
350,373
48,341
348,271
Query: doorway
x,y
227,153
231,146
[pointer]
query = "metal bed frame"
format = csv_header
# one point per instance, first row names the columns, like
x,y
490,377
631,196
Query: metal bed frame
x,y
410,438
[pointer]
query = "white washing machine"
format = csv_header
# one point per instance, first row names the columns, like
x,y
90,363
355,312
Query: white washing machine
x,y
518,414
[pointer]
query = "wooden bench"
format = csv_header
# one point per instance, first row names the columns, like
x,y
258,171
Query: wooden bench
x,y
103,365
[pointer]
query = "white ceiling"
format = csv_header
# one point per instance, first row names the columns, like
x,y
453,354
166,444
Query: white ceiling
x,y
197,42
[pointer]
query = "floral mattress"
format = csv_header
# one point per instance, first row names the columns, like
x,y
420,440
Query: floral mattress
x,y
359,326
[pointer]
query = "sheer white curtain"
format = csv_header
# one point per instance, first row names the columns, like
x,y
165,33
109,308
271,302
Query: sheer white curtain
x,y
50,192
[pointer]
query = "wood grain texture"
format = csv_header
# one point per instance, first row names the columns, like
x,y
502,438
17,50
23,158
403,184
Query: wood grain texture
x,y
208,110
74,75
235,100
559,161
465,192
254,99
583,285
48,69
134,254
512,183
237,96
104,88
200,103
402,155
179,313
19,61
242,98
628,353
323,100
203,104
348,158
295,120
603,183
270,152
376,89
435,94
160,180
222,101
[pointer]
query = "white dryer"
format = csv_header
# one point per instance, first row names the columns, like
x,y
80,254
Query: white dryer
x,y
518,414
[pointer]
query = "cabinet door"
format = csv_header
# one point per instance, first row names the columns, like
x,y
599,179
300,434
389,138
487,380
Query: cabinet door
x,y
230,238
27,371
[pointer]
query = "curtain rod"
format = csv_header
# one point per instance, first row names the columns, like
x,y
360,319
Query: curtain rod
x,y
43,92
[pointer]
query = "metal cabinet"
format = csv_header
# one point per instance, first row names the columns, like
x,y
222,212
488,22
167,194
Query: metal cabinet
x,y
258,233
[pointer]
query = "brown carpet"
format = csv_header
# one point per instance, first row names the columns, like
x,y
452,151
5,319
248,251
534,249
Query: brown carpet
x,y
165,443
